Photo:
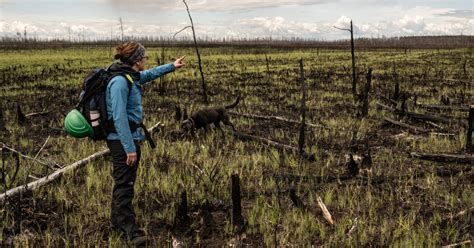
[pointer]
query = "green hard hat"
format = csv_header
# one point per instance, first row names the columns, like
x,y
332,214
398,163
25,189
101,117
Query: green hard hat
x,y
76,125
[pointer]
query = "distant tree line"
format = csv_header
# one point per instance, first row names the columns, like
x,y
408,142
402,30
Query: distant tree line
x,y
406,42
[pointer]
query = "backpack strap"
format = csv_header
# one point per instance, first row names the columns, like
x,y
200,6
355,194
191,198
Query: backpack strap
x,y
133,127
130,83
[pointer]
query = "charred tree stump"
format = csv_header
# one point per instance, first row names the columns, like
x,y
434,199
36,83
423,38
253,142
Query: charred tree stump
x,y
403,106
181,220
469,146
303,111
366,162
352,166
365,104
237,219
178,114
185,114
396,93
21,118
296,199
2,122
206,221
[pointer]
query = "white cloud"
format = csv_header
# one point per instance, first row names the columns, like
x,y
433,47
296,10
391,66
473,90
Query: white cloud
x,y
208,5
18,26
277,26
460,13
410,24
413,21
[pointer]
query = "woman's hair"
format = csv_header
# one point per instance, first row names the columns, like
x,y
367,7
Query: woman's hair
x,y
125,51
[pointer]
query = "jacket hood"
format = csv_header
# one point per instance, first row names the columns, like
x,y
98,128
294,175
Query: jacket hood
x,y
118,68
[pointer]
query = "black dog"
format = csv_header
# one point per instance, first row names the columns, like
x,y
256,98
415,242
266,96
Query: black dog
x,y
204,117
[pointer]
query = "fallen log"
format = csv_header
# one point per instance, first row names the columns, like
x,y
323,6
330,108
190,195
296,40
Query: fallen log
x,y
278,118
275,144
414,129
433,118
55,175
5,147
457,244
443,157
423,117
387,99
37,113
455,80
383,106
440,172
325,210
444,107
459,214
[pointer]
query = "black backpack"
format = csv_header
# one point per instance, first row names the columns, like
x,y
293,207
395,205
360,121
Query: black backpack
x,y
92,103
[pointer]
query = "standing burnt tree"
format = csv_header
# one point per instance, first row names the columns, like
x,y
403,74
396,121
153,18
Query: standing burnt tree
x,y
121,26
303,111
354,79
469,146
203,82
365,101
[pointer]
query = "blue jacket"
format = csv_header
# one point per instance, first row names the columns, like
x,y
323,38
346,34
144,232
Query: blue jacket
x,y
121,107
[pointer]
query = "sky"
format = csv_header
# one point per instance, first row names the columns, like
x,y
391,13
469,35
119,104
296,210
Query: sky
x,y
311,19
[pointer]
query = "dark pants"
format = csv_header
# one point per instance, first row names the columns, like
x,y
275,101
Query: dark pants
x,y
122,215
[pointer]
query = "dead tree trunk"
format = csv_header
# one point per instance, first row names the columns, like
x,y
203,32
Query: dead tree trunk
x,y
354,76
121,26
354,79
469,146
203,82
237,218
162,88
268,68
365,104
303,111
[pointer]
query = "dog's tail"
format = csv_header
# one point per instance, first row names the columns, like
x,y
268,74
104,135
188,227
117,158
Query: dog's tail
x,y
233,104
